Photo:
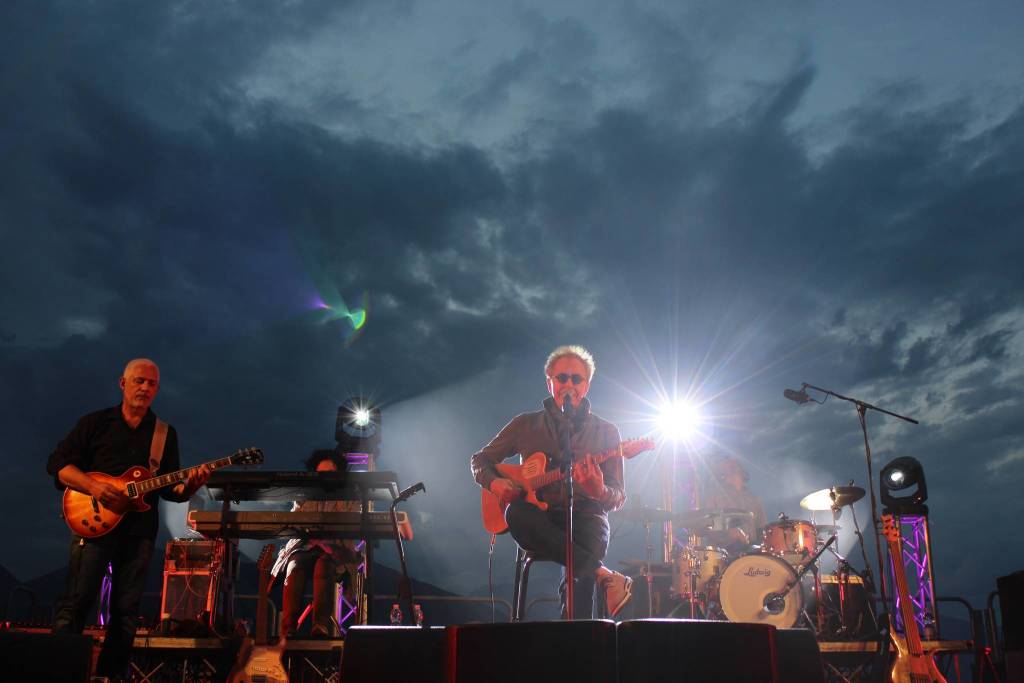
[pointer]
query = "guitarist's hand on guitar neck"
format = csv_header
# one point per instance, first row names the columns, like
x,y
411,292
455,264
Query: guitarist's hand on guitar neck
x,y
588,476
506,490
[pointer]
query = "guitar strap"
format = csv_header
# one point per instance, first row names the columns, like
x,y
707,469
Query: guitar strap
x,y
156,447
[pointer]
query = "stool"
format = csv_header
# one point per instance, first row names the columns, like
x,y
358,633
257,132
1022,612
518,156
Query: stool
x,y
524,560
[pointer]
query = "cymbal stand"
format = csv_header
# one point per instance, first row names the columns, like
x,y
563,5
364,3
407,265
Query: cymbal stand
x,y
649,550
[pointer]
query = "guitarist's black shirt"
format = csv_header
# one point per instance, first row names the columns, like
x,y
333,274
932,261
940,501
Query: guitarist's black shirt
x,y
103,442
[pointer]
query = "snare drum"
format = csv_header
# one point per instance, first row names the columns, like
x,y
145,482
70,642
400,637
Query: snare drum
x,y
794,540
748,582
708,563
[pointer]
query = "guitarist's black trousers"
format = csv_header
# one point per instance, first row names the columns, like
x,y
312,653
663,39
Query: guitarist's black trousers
x,y
542,532
130,556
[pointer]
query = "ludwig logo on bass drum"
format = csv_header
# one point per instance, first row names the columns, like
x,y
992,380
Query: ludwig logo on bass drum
x,y
758,571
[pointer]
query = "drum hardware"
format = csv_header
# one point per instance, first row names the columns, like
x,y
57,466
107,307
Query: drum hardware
x,y
775,603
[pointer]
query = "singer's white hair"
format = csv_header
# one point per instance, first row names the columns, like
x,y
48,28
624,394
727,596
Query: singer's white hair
x,y
571,350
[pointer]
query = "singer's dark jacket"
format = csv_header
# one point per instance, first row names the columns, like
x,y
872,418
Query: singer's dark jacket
x,y
103,442
538,431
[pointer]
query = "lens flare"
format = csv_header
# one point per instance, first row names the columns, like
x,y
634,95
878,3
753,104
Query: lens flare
x,y
679,420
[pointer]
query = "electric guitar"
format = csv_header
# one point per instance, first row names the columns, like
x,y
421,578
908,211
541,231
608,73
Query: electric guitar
x,y
90,518
913,663
260,663
531,477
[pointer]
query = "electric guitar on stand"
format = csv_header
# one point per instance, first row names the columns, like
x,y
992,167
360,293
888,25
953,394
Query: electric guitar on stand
x,y
913,663
89,518
531,477
260,662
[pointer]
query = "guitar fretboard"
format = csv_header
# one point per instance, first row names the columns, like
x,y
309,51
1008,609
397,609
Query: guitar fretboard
x,y
146,485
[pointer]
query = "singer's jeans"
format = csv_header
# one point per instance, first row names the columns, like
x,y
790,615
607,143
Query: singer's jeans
x,y
129,556
542,532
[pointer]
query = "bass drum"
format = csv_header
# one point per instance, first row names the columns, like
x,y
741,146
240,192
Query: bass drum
x,y
749,580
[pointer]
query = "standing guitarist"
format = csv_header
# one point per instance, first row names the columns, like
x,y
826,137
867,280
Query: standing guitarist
x,y
111,441
600,489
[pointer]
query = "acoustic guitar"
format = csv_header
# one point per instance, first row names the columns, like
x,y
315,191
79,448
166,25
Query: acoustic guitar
x,y
531,476
913,663
260,662
90,518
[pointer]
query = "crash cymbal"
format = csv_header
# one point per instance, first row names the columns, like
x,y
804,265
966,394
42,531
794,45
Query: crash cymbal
x,y
835,497
645,515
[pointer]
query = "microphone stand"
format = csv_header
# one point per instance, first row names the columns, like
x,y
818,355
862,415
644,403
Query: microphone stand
x,y
862,408
567,465
404,584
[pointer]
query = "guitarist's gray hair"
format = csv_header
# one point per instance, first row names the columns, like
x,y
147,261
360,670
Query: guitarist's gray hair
x,y
139,361
571,350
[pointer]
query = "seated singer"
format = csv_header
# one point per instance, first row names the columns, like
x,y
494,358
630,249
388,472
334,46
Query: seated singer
x,y
326,560
599,489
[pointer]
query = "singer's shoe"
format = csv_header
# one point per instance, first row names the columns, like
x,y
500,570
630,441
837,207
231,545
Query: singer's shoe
x,y
617,591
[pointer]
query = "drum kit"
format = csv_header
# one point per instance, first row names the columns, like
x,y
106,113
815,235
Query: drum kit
x,y
777,582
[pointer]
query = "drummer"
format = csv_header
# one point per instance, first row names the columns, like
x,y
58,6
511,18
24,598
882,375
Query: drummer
x,y
727,488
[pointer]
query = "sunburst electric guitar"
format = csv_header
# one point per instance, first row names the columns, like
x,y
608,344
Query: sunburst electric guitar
x,y
531,477
913,664
260,662
90,518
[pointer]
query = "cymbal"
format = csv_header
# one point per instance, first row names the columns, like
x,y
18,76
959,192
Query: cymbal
x,y
708,517
835,497
645,515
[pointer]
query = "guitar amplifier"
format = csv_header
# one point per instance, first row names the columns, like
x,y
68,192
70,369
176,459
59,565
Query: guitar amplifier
x,y
191,597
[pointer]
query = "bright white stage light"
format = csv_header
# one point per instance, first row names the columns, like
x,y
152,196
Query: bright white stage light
x,y
679,420
362,417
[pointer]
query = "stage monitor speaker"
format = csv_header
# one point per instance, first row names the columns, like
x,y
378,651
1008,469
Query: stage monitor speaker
x,y
393,654
799,658
1011,609
696,650
45,657
534,651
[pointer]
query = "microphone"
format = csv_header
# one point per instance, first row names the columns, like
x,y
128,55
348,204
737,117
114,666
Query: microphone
x,y
410,492
800,397
567,406
774,603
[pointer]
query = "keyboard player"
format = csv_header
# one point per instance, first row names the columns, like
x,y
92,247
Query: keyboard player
x,y
327,561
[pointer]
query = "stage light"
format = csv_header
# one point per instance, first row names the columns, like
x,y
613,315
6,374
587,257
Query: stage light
x,y
904,474
357,428
679,420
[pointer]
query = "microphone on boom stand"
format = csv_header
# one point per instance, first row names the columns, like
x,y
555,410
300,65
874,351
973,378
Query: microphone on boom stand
x,y
799,397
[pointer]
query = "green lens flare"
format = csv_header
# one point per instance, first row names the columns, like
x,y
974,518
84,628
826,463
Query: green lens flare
x,y
358,317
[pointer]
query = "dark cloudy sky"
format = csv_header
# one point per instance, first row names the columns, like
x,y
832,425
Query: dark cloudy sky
x,y
720,199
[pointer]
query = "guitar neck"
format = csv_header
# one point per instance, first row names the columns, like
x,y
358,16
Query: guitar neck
x,y
551,476
146,485
910,632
